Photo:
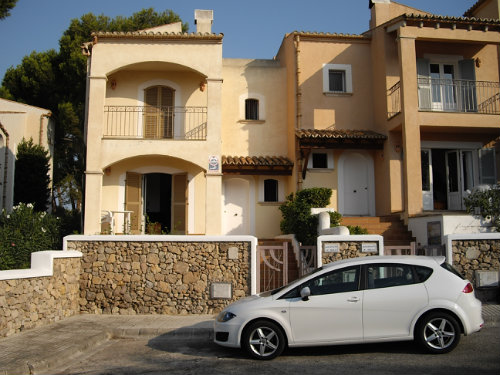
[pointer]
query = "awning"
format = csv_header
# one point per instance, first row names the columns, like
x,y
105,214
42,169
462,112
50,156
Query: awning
x,y
257,165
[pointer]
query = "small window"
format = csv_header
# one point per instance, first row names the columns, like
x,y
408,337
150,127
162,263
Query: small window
x,y
336,80
270,190
251,109
319,160
389,275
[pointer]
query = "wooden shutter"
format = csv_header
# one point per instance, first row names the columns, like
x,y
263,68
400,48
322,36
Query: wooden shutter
x,y
424,84
467,91
151,112
133,199
179,203
167,111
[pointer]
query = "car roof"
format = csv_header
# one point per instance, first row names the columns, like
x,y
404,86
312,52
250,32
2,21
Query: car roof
x,y
409,259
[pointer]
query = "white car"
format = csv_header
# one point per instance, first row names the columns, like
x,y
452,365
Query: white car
x,y
361,300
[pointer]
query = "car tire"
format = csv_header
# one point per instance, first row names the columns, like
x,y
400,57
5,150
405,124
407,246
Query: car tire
x,y
263,339
438,333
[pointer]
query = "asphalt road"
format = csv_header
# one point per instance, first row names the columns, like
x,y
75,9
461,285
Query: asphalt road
x,y
476,354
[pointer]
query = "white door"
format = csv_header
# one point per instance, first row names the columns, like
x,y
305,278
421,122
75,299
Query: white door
x,y
334,310
427,188
443,91
356,182
393,298
236,206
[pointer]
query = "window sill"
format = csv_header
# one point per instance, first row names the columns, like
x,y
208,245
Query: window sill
x,y
271,203
331,93
320,170
251,121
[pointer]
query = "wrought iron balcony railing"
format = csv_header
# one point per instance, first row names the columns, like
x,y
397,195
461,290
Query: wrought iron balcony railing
x,y
458,95
450,95
147,122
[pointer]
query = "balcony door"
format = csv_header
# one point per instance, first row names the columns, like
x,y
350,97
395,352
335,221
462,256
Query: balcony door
x,y
159,112
443,90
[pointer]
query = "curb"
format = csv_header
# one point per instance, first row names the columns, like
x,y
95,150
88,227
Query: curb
x,y
34,366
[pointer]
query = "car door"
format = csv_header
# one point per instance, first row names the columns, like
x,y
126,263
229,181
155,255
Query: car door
x,y
333,311
392,298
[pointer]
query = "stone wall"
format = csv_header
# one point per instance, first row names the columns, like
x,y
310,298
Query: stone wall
x,y
473,255
346,250
145,277
35,301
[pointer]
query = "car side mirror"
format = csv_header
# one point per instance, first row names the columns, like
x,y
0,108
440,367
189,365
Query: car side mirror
x,y
305,293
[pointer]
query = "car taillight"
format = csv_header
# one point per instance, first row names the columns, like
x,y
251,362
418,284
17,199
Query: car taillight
x,y
468,288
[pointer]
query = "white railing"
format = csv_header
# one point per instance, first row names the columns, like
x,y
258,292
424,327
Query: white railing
x,y
185,123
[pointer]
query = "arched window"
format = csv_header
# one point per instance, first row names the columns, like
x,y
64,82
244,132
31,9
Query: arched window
x,y
159,112
251,109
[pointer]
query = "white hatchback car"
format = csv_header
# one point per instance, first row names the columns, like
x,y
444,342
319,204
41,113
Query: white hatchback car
x,y
359,300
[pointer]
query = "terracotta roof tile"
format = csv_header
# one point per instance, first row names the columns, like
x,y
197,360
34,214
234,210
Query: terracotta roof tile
x,y
469,11
257,161
338,134
154,35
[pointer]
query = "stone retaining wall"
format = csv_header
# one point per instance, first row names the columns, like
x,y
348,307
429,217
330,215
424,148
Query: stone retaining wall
x,y
145,277
473,255
35,301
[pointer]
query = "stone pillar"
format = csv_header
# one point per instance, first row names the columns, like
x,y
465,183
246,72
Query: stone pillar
x,y
412,174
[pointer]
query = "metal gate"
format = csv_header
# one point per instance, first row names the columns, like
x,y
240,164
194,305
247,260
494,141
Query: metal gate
x,y
272,266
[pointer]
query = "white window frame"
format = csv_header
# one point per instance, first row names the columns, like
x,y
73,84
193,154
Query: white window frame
x,y
262,107
347,69
330,164
281,189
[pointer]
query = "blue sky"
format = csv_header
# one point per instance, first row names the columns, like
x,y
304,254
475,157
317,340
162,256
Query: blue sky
x,y
252,29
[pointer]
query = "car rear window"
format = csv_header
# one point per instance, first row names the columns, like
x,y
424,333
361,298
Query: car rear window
x,y
423,273
451,269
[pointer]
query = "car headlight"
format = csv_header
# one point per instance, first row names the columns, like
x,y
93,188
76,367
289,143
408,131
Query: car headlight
x,y
225,316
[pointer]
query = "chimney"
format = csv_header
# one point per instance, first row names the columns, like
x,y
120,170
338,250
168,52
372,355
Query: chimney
x,y
203,20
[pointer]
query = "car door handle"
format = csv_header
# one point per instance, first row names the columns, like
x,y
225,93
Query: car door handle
x,y
353,299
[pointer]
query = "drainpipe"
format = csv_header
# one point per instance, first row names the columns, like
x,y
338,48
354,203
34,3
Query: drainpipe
x,y
40,135
298,104
6,164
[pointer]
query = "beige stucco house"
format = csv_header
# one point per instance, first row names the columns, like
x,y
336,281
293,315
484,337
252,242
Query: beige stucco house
x,y
402,119
18,121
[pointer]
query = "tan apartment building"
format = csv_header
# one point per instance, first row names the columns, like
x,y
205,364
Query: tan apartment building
x,y
402,119
18,121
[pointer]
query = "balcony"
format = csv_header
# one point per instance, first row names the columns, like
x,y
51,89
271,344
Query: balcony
x,y
450,95
147,122
458,95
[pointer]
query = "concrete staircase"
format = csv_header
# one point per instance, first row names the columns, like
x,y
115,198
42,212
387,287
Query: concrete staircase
x,y
391,227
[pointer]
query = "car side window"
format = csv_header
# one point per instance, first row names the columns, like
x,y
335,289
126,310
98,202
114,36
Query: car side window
x,y
389,275
338,281
423,273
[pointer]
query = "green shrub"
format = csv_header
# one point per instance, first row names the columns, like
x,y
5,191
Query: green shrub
x,y
24,231
485,203
356,229
296,212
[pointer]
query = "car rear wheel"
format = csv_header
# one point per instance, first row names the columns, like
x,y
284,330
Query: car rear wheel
x,y
438,332
263,340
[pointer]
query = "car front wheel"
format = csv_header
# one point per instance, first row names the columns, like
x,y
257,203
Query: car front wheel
x,y
438,333
263,340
